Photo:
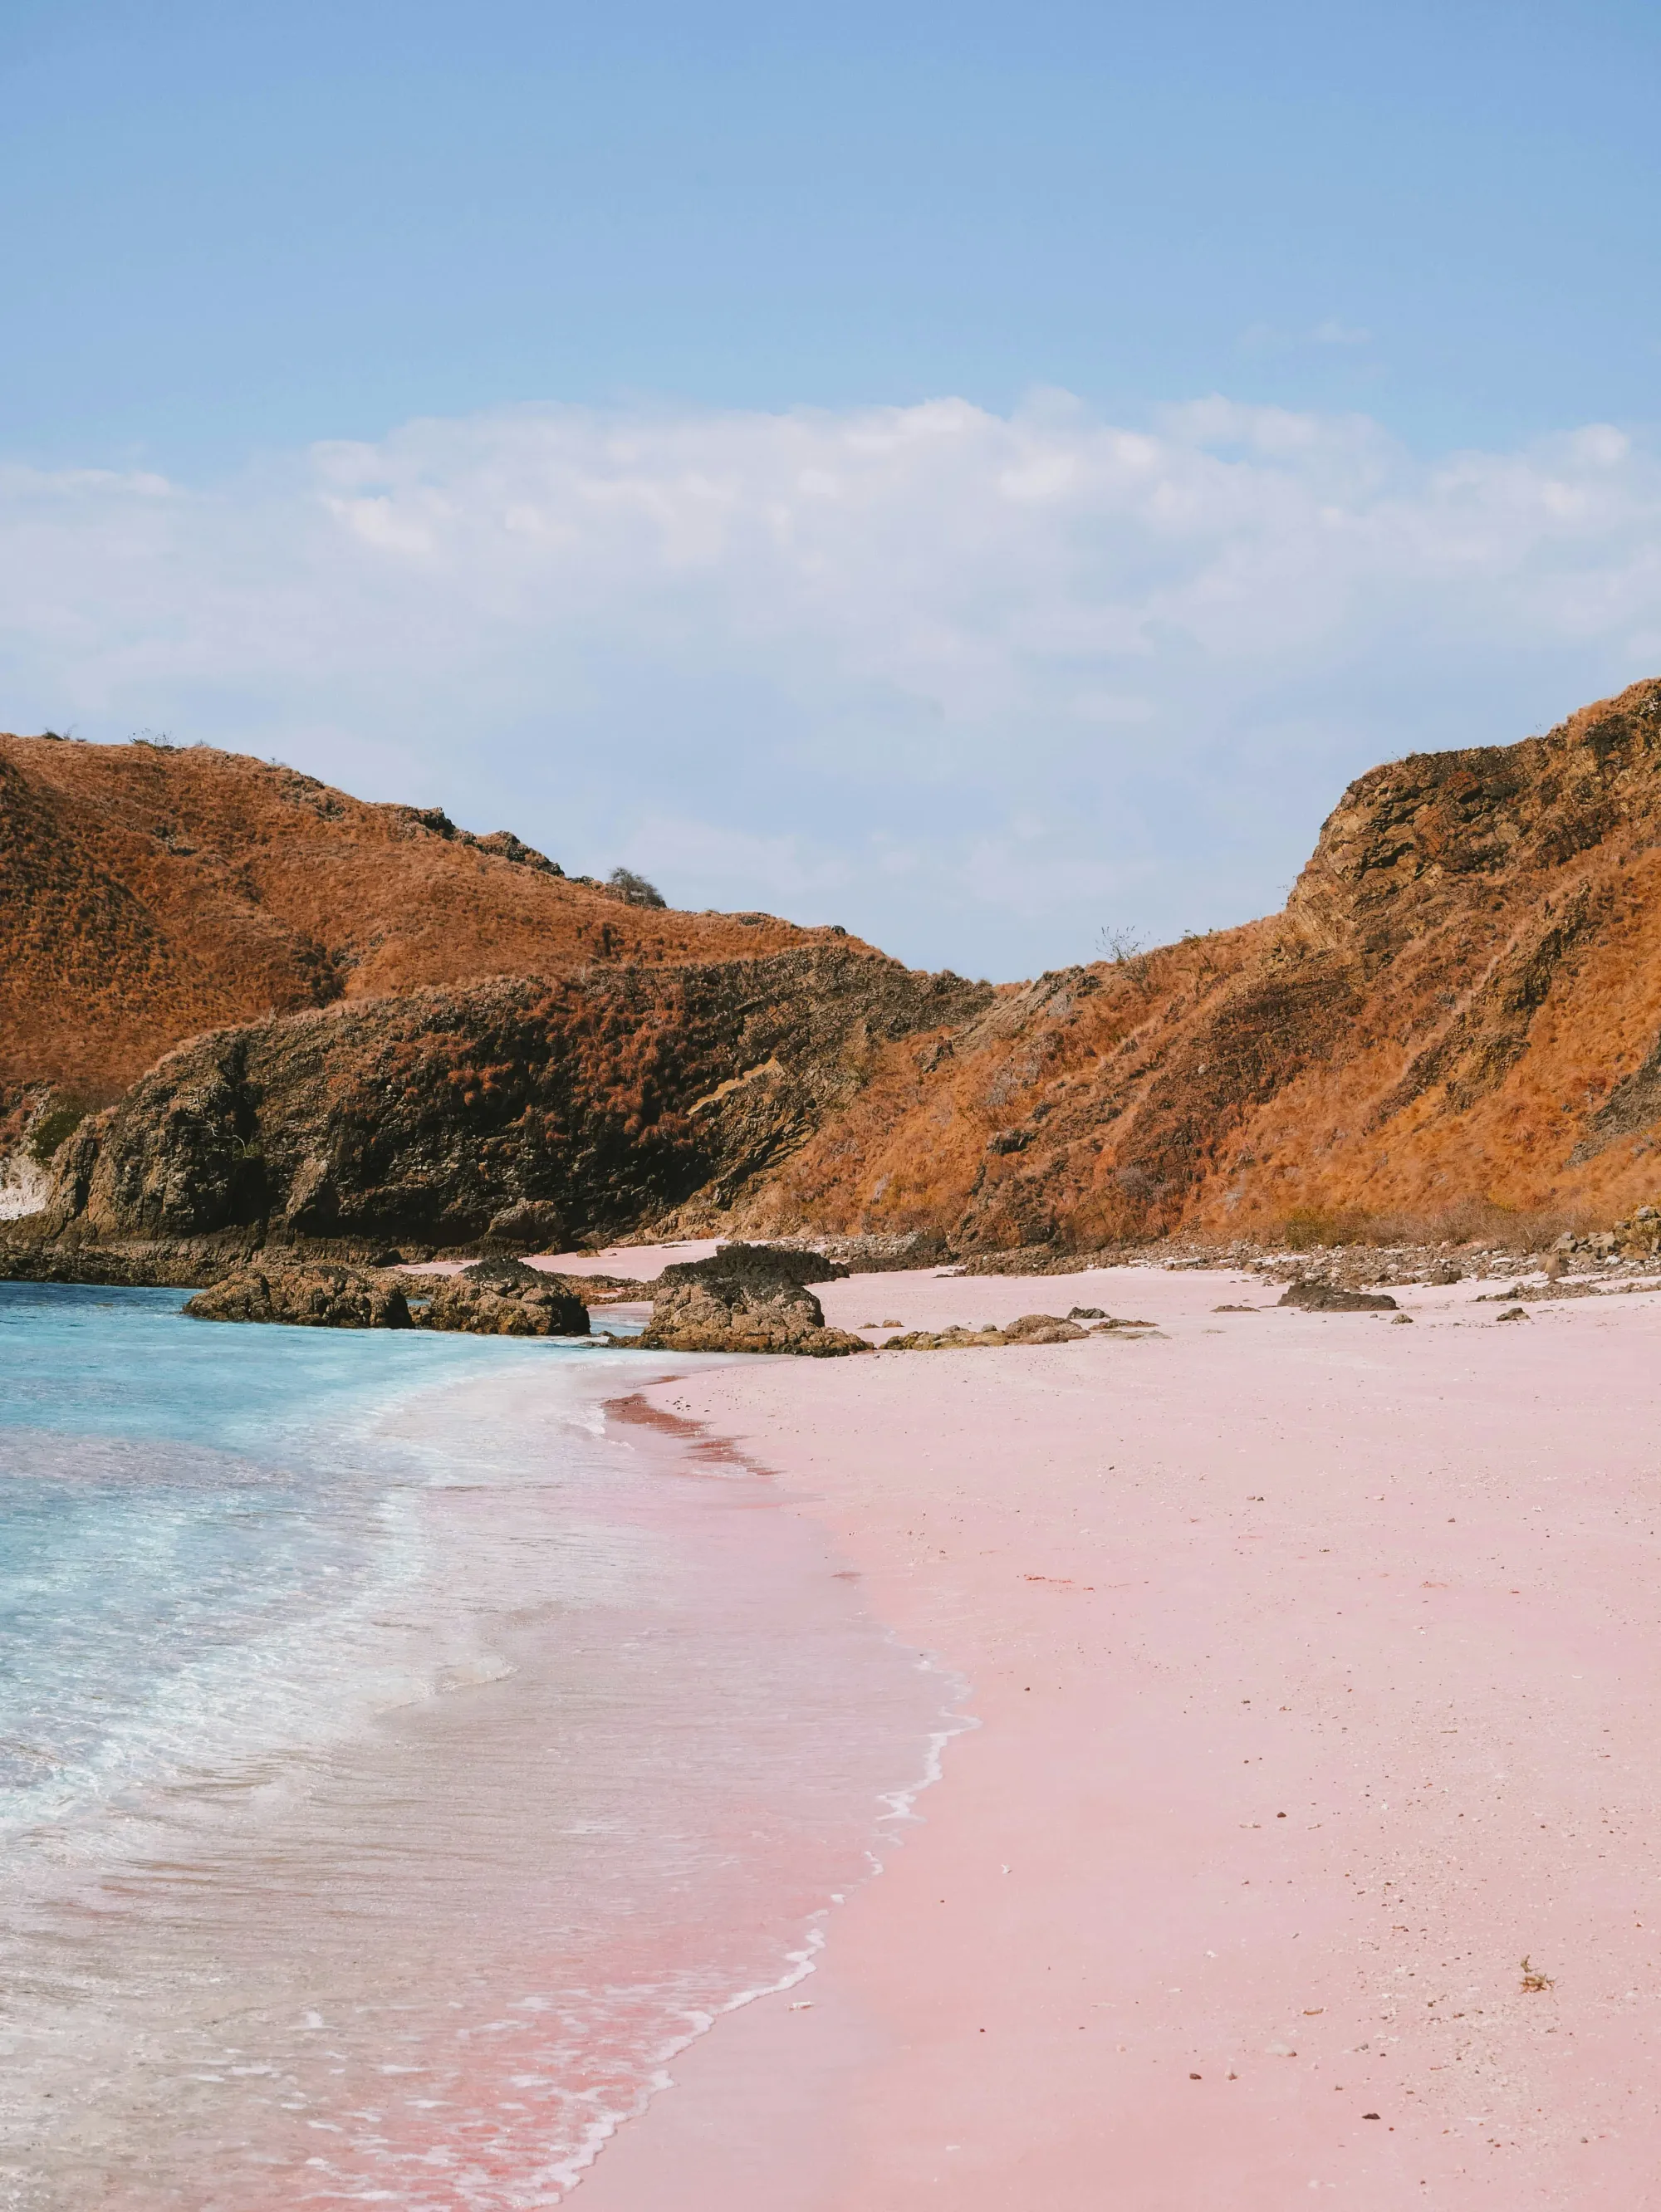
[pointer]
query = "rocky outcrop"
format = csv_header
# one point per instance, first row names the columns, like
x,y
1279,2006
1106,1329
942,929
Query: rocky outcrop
x,y
757,1266
1453,1023
757,1308
315,1296
1327,1298
498,1300
1455,1019
506,1112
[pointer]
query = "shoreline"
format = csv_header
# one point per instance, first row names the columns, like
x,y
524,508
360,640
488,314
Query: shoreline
x,y
1314,1662
620,1743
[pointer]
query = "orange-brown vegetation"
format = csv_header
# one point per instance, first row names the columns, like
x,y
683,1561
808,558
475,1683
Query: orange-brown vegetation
x,y
149,893
1455,1023
1455,1026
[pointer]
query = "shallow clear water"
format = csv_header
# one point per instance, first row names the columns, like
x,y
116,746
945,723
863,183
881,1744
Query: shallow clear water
x,y
396,1761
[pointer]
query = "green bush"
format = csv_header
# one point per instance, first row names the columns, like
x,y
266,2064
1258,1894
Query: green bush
x,y
61,1120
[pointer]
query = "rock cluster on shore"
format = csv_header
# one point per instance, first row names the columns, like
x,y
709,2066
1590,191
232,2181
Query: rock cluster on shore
x,y
503,1298
1324,1298
1030,1328
746,1298
316,1297
495,1298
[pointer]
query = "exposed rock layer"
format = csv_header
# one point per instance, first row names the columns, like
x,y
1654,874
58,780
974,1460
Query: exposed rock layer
x,y
600,1101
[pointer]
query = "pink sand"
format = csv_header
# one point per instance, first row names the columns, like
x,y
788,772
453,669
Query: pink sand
x,y
644,1262
1317,1665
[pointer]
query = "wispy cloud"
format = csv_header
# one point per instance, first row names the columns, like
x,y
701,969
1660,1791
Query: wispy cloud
x,y
843,662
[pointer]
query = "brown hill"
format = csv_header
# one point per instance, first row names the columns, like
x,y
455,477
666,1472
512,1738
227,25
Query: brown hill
x,y
1460,1008
149,893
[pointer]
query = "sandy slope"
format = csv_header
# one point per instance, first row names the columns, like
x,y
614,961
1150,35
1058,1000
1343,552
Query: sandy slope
x,y
1316,1662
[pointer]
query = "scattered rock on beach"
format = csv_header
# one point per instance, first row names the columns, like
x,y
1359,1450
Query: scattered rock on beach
x,y
1030,1328
1322,1297
1043,1328
319,1296
696,1308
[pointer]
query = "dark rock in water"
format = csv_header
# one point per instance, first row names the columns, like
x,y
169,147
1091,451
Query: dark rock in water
x,y
530,1224
503,1298
319,1297
741,1313
756,1265
1086,1313
1323,1298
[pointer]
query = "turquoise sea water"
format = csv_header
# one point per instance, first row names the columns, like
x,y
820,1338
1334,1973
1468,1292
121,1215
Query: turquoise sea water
x,y
183,1503
398,1760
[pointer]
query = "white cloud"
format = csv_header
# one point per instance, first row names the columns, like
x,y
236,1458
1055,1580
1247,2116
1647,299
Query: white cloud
x,y
763,655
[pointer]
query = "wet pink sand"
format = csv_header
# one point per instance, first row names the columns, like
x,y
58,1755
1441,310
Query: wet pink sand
x,y
1317,1665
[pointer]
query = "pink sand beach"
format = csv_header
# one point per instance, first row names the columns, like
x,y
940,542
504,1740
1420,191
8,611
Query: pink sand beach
x,y
1315,1666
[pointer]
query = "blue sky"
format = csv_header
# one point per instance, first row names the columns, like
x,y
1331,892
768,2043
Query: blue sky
x,y
265,269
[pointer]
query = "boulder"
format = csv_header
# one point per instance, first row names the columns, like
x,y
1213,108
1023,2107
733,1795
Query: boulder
x,y
758,1265
503,1298
1324,1298
739,1312
529,1224
1043,1328
321,1295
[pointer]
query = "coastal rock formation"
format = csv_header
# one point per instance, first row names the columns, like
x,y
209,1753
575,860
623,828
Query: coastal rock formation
x,y
1456,1020
497,1300
751,1301
445,1117
758,1265
1325,1297
1457,1015
317,1295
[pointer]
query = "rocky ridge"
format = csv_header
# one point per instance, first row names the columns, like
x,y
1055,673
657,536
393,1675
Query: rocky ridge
x,y
1456,1022
1452,1033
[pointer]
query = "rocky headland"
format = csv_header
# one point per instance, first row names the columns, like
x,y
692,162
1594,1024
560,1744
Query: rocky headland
x,y
243,1014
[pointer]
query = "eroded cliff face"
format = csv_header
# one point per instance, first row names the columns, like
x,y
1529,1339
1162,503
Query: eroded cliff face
x,y
602,1099
1462,1002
